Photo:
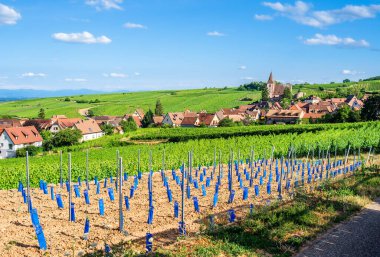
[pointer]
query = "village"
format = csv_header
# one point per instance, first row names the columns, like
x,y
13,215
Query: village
x,y
16,134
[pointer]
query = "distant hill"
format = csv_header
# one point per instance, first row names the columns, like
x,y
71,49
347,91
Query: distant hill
x,y
373,78
18,94
209,99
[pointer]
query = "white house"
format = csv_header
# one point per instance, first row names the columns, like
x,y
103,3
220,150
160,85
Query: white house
x,y
173,119
14,138
89,128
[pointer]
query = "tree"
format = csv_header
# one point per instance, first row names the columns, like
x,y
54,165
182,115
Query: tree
x,y
346,81
66,137
288,93
67,99
128,125
342,114
159,110
371,109
107,129
354,116
285,103
90,113
264,94
148,119
46,135
226,122
41,113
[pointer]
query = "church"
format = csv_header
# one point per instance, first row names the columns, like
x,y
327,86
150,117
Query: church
x,y
276,90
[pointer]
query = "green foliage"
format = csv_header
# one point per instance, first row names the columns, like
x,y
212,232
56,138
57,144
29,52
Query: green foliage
x,y
288,93
107,129
90,113
41,114
159,110
344,114
148,119
372,78
264,94
102,157
252,86
66,137
128,125
31,149
346,81
67,99
46,134
226,122
371,109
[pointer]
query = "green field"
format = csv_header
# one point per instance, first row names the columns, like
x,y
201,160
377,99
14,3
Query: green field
x,y
103,160
121,103
211,100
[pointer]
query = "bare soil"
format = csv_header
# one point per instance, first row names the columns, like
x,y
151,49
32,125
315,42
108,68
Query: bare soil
x,y
64,238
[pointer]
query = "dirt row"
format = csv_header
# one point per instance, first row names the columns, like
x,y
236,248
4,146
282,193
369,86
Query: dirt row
x,y
64,238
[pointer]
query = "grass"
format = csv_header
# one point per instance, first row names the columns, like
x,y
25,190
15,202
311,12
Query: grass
x,y
209,99
283,227
121,103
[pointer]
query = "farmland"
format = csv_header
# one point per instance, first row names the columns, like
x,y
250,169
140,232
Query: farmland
x,y
209,99
262,193
121,103
103,161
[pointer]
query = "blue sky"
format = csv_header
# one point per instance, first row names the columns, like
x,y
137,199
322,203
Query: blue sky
x,y
172,44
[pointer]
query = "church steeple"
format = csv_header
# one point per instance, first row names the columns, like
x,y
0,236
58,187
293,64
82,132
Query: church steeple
x,y
270,80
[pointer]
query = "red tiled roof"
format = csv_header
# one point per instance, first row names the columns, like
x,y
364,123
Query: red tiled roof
x,y
284,114
23,135
67,123
158,119
11,122
206,118
189,120
135,118
87,127
176,117
313,115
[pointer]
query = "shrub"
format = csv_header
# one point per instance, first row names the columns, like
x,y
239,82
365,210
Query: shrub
x,y
31,149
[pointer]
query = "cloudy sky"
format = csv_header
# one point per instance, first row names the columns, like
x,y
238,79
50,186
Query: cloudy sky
x,y
171,44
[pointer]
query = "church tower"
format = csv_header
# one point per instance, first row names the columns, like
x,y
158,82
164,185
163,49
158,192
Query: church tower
x,y
271,85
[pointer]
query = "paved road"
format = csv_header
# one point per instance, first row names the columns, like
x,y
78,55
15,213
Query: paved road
x,y
357,237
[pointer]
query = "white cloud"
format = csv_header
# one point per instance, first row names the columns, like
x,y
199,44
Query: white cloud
x,y
263,17
215,34
105,4
130,25
83,37
115,75
302,13
75,80
348,72
32,74
8,15
333,40
137,73
351,72
242,67
248,78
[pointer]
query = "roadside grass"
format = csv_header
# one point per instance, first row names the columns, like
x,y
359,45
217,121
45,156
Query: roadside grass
x,y
279,229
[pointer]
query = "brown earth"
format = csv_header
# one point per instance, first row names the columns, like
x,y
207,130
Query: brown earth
x,y
64,237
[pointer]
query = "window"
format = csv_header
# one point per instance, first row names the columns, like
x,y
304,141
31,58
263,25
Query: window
x,y
10,146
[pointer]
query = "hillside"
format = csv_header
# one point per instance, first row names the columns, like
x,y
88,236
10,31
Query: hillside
x,y
122,103
211,100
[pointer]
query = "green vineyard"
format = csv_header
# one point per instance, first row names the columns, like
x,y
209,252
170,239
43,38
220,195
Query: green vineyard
x,y
102,162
